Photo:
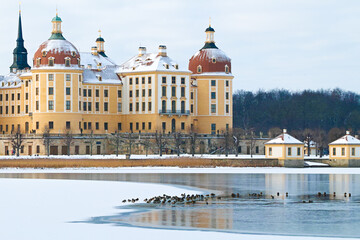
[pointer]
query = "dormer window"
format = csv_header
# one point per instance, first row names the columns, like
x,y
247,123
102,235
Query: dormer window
x,y
227,70
73,54
78,61
38,62
51,62
9,84
89,66
44,53
176,67
166,66
100,78
199,69
99,64
213,60
67,62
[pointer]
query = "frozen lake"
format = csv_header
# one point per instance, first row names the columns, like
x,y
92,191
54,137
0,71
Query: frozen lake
x,y
326,216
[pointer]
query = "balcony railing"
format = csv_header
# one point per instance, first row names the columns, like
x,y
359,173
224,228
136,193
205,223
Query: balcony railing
x,y
171,112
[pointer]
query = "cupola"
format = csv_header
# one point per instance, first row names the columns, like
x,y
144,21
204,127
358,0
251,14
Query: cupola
x,y
100,45
56,28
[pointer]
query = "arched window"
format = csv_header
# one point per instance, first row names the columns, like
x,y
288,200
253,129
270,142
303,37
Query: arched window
x,y
173,106
38,62
51,62
213,60
227,69
163,106
173,125
182,106
44,53
199,69
67,62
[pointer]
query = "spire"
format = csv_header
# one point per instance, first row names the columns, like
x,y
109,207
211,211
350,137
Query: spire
x,y
210,41
20,53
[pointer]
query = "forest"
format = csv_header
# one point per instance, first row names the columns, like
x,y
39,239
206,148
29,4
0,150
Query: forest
x,y
323,110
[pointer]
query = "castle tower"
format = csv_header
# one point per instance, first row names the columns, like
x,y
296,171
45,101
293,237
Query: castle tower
x,y
211,94
20,53
100,45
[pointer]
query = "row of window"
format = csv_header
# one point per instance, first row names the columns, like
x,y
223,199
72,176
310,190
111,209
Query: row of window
x,y
137,107
87,106
173,80
343,151
289,151
173,91
88,93
213,95
173,106
199,68
12,97
137,93
51,61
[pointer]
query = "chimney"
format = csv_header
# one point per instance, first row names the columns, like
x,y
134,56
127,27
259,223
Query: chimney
x,y
94,51
347,132
142,51
162,51
284,131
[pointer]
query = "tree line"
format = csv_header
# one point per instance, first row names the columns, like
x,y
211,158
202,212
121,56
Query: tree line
x,y
317,110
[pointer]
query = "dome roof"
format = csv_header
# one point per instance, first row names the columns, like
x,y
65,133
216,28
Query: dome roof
x,y
210,60
100,39
59,49
56,19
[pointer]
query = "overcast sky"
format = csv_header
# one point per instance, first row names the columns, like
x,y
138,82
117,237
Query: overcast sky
x,y
297,44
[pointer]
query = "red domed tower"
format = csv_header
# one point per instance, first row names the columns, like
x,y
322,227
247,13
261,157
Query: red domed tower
x,y
211,92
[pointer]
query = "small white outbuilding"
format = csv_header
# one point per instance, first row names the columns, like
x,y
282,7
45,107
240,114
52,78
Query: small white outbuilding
x,y
345,152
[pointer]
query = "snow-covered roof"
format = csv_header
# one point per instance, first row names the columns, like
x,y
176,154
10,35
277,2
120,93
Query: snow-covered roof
x,y
346,140
97,67
58,46
10,81
210,53
150,62
284,139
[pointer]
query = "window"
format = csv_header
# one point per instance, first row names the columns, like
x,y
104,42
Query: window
x,y
131,126
51,77
299,151
12,109
163,80
227,96
26,108
130,93
173,106
213,128
119,107
68,77
227,83
119,126
352,151
136,81
84,106
68,125
143,80
270,151
183,81
137,93
106,93
192,95
149,106
130,107
130,81
182,106
89,125
18,109
89,92
119,94
18,97
99,78
51,125
143,92
213,95
213,60
149,80
164,125
192,108
173,80
227,108
38,62
173,91
227,69
342,151
37,77
199,69
149,93
97,93
334,151
137,107
143,126
105,126
37,125
37,92
137,126
51,62
1,97
164,91
37,105
97,106
289,151
85,125
97,126
163,106
106,106
68,91
89,106
143,106
84,92
182,91
182,126
26,96
149,125
80,76
213,108
79,91
51,105
257,149
213,83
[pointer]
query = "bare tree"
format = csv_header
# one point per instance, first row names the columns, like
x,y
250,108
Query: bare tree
x,y
47,140
228,140
159,141
193,137
129,141
237,135
17,141
91,140
177,138
274,132
308,136
320,137
68,140
252,140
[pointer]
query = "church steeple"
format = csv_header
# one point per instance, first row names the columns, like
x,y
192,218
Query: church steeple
x,y
20,53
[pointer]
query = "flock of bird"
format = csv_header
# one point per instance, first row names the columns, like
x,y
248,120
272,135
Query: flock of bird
x,y
205,199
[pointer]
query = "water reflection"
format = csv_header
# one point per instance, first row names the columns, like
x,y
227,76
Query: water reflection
x,y
330,215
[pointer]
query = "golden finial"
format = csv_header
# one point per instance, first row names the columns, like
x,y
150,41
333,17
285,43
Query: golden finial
x,y
57,10
209,21
99,32
19,7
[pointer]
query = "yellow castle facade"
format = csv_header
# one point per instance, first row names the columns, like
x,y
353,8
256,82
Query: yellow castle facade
x,y
87,92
